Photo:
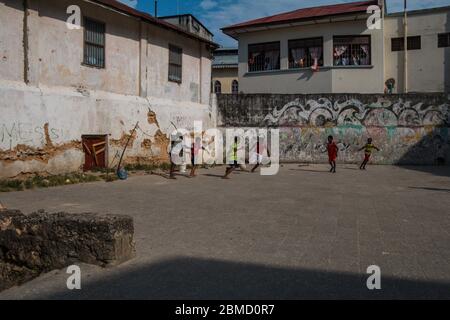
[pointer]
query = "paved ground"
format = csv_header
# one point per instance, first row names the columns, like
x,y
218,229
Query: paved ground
x,y
304,233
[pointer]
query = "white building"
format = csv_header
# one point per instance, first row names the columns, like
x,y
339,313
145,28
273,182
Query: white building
x,y
277,53
70,97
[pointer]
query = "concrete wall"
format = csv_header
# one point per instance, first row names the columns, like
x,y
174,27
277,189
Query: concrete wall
x,y
226,77
329,79
189,24
48,99
409,129
428,68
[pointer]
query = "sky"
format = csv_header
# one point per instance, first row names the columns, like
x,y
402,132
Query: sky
x,y
216,14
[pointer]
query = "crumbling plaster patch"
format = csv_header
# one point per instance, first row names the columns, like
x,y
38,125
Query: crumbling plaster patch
x,y
41,128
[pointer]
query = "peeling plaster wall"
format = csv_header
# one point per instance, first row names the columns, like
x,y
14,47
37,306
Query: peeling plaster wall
x,y
49,99
41,131
409,129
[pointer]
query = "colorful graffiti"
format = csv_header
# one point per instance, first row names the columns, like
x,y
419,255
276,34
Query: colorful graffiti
x,y
383,113
411,129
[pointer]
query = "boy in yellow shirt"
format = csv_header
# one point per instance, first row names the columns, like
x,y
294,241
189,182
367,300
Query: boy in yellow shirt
x,y
368,148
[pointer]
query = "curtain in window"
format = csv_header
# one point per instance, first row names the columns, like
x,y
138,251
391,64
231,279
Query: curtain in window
x,y
298,55
271,60
316,53
365,60
253,57
338,52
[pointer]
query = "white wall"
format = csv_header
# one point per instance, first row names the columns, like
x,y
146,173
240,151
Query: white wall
x,y
11,45
429,67
329,78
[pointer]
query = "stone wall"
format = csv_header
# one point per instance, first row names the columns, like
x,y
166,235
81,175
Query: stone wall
x,y
40,242
409,129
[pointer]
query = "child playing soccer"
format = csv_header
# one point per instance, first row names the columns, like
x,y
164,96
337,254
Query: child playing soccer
x,y
332,153
367,153
260,149
195,149
234,157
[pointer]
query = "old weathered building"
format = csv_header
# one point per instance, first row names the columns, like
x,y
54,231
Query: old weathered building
x,y
73,94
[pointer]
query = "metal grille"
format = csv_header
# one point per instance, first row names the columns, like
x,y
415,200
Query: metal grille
x,y
94,43
444,40
414,43
175,63
398,44
235,87
300,52
217,87
351,50
264,56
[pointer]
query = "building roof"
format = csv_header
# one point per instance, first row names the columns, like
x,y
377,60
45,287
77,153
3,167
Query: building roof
x,y
225,61
305,14
225,58
116,5
226,49
187,15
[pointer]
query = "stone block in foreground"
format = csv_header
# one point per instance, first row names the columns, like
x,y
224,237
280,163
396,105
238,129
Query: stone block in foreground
x,y
41,242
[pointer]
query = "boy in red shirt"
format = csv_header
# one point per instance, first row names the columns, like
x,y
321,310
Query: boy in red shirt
x,y
332,153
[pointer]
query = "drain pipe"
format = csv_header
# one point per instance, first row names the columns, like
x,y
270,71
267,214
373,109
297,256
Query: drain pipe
x,y
405,25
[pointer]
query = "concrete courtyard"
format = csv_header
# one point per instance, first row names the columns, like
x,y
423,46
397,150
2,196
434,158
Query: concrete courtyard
x,y
304,233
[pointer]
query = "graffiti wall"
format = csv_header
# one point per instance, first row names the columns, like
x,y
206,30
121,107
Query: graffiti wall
x,y
408,129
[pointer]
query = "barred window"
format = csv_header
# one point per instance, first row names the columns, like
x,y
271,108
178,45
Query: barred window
x,y
351,50
175,63
235,87
398,44
304,53
443,40
217,87
264,56
94,43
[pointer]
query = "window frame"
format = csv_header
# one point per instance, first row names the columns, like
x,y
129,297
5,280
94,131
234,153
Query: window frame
x,y
447,39
290,58
368,36
85,61
402,43
180,65
264,44
233,83
217,82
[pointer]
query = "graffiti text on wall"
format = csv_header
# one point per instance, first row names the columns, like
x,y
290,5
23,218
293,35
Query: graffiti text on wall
x,y
12,134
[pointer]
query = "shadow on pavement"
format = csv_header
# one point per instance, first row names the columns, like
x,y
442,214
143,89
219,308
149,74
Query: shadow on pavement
x,y
431,189
311,170
195,278
443,171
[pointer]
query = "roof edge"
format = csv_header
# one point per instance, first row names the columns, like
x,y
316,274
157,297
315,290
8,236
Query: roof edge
x,y
259,24
184,15
118,6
